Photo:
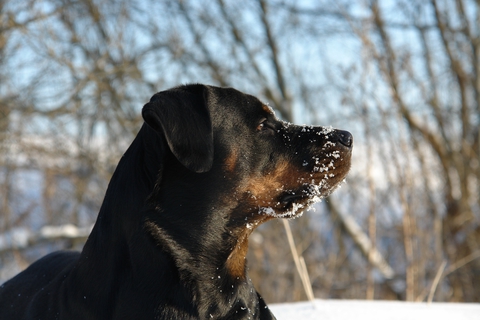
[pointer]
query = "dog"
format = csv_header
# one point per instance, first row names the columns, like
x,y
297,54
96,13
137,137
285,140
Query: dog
x,y
207,167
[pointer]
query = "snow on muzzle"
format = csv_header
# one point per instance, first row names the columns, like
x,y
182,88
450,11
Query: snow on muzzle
x,y
320,160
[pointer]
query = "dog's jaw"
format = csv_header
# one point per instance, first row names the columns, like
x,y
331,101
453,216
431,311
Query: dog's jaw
x,y
294,186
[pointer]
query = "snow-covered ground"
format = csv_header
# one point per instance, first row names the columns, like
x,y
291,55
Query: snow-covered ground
x,y
375,310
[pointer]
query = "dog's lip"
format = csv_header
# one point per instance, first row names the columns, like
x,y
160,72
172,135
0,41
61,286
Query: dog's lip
x,y
291,197
298,196
295,202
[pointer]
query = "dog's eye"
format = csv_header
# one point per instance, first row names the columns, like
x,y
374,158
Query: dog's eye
x,y
266,126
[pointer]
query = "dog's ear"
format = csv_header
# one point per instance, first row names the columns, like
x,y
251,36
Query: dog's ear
x,y
181,114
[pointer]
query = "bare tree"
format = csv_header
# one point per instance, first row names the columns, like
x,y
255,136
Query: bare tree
x,y
428,63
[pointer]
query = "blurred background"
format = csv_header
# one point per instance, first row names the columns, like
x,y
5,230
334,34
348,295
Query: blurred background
x,y
401,75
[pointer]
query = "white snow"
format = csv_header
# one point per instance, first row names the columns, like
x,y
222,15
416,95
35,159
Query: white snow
x,y
18,238
326,130
375,310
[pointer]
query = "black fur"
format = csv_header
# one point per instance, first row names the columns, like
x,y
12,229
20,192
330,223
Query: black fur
x,y
207,167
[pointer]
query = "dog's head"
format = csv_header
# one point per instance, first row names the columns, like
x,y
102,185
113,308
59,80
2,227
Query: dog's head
x,y
233,145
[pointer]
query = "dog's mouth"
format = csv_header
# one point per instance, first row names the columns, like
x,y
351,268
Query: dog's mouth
x,y
319,181
320,163
293,203
290,198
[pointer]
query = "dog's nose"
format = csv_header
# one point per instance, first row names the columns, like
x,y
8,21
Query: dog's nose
x,y
345,138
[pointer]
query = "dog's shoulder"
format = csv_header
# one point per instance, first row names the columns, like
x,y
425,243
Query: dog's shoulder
x,y
18,293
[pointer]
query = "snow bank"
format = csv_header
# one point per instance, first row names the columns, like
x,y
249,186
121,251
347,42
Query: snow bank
x,y
375,310
20,238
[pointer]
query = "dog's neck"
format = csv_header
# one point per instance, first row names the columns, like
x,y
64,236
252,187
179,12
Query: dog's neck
x,y
213,261
130,185
117,221
210,274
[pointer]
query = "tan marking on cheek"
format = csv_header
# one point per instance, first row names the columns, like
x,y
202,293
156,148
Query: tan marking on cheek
x,y
237,260
263,190
231,161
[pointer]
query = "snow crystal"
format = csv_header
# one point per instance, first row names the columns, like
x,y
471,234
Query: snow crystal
x,y
335,154
329,144
297,209
268,211
286,124
306,128
326,130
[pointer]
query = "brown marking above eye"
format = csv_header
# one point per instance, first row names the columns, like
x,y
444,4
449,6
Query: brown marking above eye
x,y
268,109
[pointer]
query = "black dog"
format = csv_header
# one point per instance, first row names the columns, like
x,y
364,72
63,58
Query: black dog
x,y
209,165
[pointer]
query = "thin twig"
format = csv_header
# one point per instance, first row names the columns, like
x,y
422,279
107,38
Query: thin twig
x,y
306,277
438,276
460,263
298,264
